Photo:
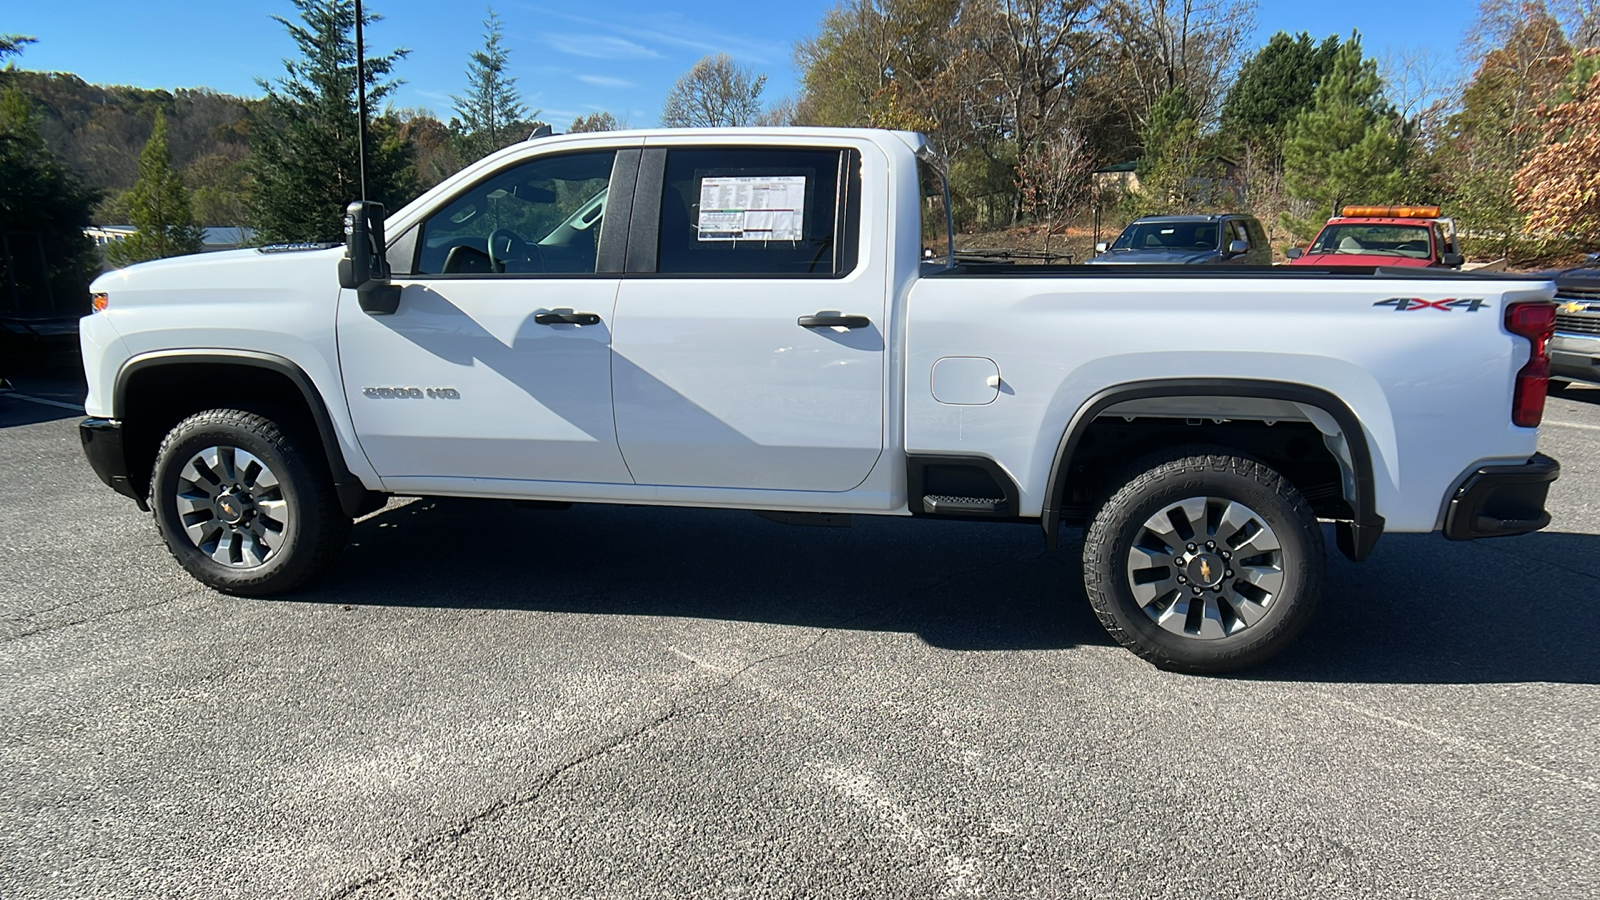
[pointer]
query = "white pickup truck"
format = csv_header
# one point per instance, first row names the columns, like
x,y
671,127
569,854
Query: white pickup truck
x,y
749,319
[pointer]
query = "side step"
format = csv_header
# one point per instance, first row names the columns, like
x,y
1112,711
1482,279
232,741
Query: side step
x,y
941,503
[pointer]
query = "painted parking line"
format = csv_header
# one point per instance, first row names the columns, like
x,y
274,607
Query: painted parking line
x,y
1573,425
43,401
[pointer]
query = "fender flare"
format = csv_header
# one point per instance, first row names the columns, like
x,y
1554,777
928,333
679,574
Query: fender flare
x,y
354,497
1356,537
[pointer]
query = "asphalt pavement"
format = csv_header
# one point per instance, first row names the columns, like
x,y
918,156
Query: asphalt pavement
x,y
632,702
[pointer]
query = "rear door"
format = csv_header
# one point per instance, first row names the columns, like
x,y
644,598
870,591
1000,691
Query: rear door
x,y
750,329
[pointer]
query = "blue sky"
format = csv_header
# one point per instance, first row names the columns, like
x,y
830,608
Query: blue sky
x,y
569,58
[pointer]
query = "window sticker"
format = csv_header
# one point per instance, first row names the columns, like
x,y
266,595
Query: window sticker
x,y
752,208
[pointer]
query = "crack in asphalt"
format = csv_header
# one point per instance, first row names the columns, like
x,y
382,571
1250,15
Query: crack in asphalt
x,y
1542,562
103,614
429,846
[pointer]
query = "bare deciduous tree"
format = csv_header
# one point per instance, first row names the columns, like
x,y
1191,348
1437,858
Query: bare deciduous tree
x,y
1423,85
1194,44
715,93
1053,179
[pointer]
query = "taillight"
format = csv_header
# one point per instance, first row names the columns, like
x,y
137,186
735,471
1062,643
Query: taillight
x,y
1535,321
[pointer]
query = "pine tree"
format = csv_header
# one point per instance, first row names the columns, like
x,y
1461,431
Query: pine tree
x,y
1177,170
306,162
158,207
1344,148
492,114
1273,87
44,209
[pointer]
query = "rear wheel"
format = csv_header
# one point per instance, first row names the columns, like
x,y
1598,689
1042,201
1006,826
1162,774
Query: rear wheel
x,y
242,507
1204,562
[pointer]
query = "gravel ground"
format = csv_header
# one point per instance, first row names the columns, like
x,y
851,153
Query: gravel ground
x,y
613,702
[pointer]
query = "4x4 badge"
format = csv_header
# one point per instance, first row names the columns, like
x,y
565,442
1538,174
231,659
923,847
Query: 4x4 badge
x,y
1405,304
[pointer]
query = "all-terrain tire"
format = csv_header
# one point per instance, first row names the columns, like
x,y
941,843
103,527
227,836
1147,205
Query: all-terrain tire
x,y
1172,606
189,495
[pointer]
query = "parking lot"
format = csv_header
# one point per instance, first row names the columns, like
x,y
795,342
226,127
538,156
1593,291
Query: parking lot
x,y
632,702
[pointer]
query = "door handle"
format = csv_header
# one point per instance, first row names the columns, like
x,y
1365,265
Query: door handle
x,y
832,320
566,318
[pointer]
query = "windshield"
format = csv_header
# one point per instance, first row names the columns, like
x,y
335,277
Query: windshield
x,y
1381,240
1168,236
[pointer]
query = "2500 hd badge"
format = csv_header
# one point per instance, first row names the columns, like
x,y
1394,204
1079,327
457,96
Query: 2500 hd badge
x,y
400,393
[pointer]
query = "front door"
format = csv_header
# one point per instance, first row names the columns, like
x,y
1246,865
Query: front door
x,y
496,364
749,346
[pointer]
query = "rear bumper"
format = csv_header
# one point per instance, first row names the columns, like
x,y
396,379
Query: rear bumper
x,y
1499,501
102,446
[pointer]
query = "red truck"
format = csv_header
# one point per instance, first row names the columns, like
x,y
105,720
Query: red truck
x,y
1383,236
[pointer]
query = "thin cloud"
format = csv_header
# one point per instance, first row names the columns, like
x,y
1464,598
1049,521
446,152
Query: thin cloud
x,y
599,46
672,30
606,81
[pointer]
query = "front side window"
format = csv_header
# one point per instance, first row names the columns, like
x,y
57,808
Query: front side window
x,y
774,212
542,216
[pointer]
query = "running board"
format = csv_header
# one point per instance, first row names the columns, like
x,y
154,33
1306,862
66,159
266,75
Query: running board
x,y
940,503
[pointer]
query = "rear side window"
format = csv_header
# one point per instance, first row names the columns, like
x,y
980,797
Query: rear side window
x,y
767,212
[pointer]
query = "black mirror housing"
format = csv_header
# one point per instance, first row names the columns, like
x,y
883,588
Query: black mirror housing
x,y
1453,260
1294,253
365,267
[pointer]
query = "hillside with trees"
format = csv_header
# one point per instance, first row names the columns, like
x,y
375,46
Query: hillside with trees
x,y
1027,99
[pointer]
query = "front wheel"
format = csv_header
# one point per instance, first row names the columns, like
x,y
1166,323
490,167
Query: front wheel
x,y
1204,562
242,507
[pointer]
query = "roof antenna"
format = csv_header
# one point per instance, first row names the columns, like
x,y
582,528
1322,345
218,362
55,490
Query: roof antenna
x,y
361,103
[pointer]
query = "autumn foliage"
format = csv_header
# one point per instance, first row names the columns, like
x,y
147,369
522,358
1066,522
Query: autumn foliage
x,y
1559,185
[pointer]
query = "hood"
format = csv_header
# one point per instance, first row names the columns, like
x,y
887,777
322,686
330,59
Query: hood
x,y
230,276
1156,257
1585,281
1361,259
236,268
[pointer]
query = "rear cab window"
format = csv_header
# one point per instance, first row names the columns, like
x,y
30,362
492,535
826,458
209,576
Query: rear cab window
x,y
767,212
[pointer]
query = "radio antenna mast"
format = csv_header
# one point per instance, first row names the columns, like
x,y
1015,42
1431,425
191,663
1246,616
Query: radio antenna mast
x,y
361,104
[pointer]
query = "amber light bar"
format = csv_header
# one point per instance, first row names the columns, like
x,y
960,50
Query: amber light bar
x,y
1393,212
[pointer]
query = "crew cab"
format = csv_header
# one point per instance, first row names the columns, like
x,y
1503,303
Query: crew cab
x,y
1383,236
1197,240
744,319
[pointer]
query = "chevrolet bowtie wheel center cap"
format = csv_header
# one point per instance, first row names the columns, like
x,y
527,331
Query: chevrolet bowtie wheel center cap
x,y
1206,570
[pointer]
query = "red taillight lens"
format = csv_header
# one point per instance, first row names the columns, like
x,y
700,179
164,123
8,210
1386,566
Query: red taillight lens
x,y
1536,322
1527,400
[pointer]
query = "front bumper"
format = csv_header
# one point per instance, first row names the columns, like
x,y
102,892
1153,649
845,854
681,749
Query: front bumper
x,y
1575,356
102,445
1499,501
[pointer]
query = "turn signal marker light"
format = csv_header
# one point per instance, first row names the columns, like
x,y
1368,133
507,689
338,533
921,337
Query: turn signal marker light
x,y
100,302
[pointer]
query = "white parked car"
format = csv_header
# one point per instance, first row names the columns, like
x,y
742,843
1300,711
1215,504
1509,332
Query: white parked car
x,y
743,319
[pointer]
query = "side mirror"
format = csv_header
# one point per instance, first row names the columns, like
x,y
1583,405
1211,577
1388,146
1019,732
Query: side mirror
x,y
365,267
1294,253
1102,247
1237,247
1593,258
1453,260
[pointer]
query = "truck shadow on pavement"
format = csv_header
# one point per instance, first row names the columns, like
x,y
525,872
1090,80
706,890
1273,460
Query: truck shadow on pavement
x,y
1422,610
